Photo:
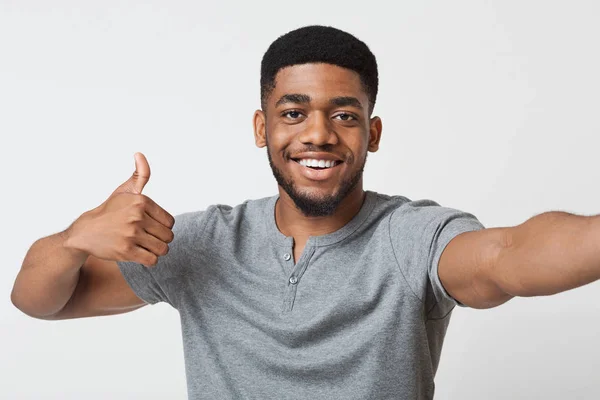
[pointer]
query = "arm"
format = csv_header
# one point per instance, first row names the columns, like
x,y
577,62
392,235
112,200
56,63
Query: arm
x,y
547,254
59,282
43,292
75,274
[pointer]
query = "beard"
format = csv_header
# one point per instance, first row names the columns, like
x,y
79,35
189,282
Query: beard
x,y
311,205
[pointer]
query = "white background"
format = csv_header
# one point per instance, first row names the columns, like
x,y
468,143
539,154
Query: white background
x,y
491,107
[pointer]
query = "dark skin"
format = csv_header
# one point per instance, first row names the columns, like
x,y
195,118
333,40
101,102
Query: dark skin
x,y
74,274
547,254
317,106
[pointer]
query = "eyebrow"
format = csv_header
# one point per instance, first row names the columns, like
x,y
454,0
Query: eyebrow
x,y
293,98
346,101
298,98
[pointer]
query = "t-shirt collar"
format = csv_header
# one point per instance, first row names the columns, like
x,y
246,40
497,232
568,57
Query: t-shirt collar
x,y
321,240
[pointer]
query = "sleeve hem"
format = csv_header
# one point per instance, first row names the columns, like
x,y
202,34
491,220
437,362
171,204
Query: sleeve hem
x,y
450,232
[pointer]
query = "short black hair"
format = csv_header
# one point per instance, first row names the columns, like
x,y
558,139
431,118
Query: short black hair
x,y
319,44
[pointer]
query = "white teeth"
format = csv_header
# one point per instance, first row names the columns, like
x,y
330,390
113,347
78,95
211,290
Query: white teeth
x,y
317,163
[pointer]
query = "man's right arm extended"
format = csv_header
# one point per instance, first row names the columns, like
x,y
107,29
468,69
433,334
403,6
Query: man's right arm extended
x,y
75,274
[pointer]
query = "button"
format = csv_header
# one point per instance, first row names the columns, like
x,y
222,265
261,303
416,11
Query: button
x,y
293,280
287,256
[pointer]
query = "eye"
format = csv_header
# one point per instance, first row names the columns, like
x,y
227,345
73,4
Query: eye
x,y
292,114
345,117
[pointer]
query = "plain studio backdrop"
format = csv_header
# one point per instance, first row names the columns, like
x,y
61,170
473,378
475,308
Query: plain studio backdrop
x,y
488,106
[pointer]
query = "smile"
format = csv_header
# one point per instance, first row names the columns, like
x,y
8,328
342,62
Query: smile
x,y
317,164
315,169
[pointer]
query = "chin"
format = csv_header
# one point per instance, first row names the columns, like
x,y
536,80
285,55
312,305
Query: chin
x,y
317,192
315,206
315,201
316,198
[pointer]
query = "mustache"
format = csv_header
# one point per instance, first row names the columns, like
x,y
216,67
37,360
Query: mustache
x,y
327,148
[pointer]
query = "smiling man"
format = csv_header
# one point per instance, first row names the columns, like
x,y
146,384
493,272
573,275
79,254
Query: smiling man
x,y
323,291
315,122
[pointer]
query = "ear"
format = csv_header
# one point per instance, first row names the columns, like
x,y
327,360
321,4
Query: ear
x,y
375,127
260,132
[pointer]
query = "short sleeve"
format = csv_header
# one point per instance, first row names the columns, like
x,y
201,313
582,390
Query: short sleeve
x,y
420,231
163,282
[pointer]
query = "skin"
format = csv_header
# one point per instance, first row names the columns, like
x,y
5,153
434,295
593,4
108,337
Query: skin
x,y
300,116
74,273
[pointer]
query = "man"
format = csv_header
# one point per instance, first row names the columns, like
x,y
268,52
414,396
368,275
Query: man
x,y
323,291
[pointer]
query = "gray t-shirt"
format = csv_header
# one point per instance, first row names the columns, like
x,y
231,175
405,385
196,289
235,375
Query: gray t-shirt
x,y
361,315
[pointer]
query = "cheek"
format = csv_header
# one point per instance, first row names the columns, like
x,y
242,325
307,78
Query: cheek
x,y
357,150
277,151
278,141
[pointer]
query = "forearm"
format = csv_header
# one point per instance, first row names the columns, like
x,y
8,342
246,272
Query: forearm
x,y
48,276
550,253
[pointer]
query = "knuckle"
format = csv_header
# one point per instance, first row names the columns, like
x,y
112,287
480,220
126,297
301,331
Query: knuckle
x,y
132,231
138,209
140,200
125,248
170,237
136,216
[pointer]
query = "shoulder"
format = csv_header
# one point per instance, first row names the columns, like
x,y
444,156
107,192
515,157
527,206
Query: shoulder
x,y
426,211
389,202
386,205
222,221
402,207
407,216
394,202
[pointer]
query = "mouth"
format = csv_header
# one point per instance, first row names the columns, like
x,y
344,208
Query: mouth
x,y
317,164
316,169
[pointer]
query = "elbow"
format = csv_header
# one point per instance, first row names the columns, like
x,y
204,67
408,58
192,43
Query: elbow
x,y
504,271
20,302
15,299
511,275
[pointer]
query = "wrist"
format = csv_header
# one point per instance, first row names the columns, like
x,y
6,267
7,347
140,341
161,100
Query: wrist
x,y
71,244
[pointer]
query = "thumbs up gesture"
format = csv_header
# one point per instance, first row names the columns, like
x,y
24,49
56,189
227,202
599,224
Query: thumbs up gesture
x,y
128,226
138,180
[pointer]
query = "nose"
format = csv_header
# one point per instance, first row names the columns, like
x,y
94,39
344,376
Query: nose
x,y
319,131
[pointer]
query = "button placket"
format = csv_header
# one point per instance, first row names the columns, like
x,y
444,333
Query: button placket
x,y
294,278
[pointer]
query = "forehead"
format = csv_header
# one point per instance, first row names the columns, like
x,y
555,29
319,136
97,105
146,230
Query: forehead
x,y
319,81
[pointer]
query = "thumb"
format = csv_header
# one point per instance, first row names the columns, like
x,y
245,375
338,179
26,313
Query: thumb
x,y
140,176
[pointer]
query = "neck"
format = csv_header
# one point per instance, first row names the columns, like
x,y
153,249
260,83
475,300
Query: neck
x,y
291,221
